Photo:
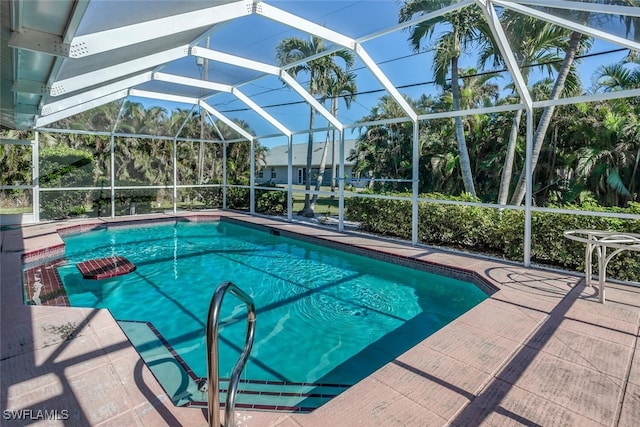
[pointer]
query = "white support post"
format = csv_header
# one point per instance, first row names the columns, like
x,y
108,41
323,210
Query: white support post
x,y
224,175
35,170
252,178
290,178
415,183
113,159
113,175
175,175
341,184
529,189
175,160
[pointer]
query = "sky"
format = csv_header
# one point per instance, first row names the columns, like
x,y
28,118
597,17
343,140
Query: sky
x,y
256,38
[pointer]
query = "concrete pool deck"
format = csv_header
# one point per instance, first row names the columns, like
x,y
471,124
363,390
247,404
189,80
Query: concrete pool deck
x,y
540,351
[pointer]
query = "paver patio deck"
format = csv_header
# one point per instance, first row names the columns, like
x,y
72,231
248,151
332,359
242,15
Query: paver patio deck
x,y
540,351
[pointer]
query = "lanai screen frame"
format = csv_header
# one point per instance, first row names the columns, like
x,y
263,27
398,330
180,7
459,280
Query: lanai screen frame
x,y
489,9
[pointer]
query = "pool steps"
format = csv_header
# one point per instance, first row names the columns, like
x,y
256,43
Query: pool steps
x,y
279,396
180,382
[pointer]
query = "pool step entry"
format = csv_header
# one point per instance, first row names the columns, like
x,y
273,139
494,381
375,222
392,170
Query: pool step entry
x,y
181,383
280,396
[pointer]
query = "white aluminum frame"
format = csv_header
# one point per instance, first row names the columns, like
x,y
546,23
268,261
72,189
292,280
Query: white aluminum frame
x,y
119,37
102,41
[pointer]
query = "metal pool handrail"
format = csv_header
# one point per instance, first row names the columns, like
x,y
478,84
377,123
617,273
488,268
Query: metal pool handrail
x,y
213,376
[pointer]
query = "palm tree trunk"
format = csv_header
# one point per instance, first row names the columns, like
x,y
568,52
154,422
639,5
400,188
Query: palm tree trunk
x,y
465,162
507,170
334,153
325,151
334,161
323,164
547,114
632,182
307,210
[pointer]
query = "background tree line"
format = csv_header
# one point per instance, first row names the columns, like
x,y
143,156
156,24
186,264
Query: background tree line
x,y
585,151
579,151
70,160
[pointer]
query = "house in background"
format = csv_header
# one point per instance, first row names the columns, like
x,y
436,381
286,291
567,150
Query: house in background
x,y
277,159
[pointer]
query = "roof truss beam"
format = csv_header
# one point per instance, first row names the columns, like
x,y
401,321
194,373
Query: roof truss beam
x,y
255,107
103,41
384,81
38,41
226,120
188,81
43,121
223,88
311,100
586,7
90,95
505,49
268,69
301,24
570,24
163,96
92,78
291,20
238,61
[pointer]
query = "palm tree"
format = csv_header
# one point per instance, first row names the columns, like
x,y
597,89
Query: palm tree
x,y
238,153
384,150
321,71
619,76
534,44
462,28
348,94
343,85
477,91
576,42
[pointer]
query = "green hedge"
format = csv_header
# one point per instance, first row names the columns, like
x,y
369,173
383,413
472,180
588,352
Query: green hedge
x,y
498,232
270,202
62,167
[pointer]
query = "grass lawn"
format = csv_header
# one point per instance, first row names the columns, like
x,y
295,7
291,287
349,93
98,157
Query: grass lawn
x,y
324,206
13,211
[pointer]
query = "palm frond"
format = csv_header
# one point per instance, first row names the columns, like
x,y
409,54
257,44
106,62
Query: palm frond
x,y
615,182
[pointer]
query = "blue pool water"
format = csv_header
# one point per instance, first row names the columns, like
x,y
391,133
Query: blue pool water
x,y
323,315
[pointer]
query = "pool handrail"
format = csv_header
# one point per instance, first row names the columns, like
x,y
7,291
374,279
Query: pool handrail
x,y
213,374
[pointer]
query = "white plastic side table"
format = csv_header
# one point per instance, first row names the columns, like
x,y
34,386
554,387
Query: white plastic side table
x,y
600,240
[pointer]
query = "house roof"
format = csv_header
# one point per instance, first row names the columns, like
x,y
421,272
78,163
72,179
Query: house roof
x,y
278,156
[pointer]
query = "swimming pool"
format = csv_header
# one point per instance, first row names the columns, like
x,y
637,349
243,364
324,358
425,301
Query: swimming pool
x,y
325,318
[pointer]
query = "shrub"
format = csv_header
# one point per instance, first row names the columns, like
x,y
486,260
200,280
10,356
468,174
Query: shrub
x,y
238,198
271,202
135,201
62,167
499,232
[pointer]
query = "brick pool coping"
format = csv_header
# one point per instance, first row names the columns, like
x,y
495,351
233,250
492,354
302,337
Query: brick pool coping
x,y
540,350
